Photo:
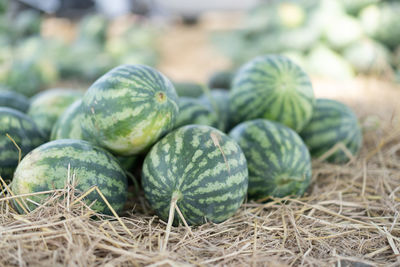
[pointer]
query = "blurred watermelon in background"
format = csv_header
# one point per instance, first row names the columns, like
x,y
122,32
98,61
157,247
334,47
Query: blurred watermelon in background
x,y
337,39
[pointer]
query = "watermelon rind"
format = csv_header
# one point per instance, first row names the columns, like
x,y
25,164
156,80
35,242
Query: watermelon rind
x,y
13,100
203,168
68,125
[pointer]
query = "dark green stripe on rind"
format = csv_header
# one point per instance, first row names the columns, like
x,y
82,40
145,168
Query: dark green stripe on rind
x,y
23,131
219,101
193,111
205,167
47,106
278,160
68,125
274,88
332,122
46,168
14,100
129,108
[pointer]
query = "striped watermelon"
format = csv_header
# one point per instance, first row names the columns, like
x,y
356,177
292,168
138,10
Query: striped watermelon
x,y
68,125
23,131
46,168
14,100
278,160
272,87
202,168
218,99
193,111
332,122
47,106
129,108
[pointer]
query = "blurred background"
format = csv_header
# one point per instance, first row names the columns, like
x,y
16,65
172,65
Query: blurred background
x,y
340,43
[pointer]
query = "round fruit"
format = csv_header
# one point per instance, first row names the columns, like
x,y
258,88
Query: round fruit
x,y
200,168
68,125
221,80
129,108
272,87
278,160
25,134
218,99
13,100
332,123
189,89
46,168
193,111
47,106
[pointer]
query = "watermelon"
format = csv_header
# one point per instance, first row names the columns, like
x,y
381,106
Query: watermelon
x,y
46,168
343,32
23,131
14,100
333,122
272,87
193,111
221,79
218,99
48,105
278,160
189,89
68,125
129,108
199,167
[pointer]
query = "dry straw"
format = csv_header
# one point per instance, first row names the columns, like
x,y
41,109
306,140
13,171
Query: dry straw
x,y
349,215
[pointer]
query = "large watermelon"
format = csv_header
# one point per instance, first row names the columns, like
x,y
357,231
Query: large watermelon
x,y
46,168
68,125
193,111
332,122
278,160
23,131
129,108
14,100
218,99
272,87
47,106
202,168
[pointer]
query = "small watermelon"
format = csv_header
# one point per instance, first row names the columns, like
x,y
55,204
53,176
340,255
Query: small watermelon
x,y
14,100
189,89
272,87
68,125
218,99
46,168
47,106
278,160
221,80
23,131
129,108
202,168
193,111
332,122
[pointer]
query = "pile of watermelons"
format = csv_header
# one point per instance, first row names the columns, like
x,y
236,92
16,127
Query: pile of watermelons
x,y
336,39
30,62
203,156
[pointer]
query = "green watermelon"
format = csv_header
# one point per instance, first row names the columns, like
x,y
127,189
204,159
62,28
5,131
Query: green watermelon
x,y
278,160
193,111
46,168
218,99
221,80
272,87
129,108
332,122
189,89
202,168
23,131
93,28
68,125
14,100
48,105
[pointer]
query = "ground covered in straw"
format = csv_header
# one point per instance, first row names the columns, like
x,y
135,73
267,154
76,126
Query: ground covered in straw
x,y
349,217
